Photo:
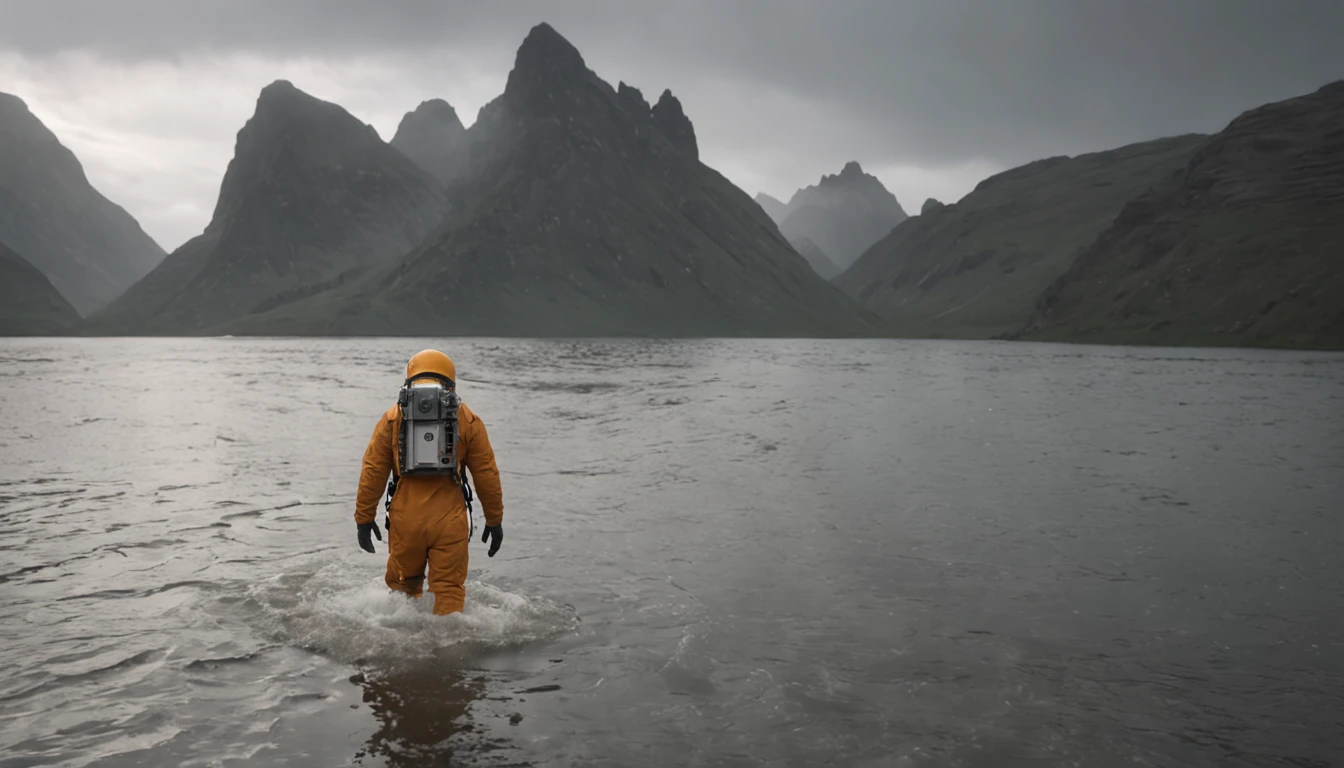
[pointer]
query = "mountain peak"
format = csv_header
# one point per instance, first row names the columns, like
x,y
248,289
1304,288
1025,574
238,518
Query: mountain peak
x,y
547,73
282,97
430,135
852,169
544,47
632,98
11,103
673,123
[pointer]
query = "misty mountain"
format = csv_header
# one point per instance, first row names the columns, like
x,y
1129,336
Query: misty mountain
x,y
773,207
1243,246
816,258
89,247
974,269
311,193
431,135
844,214
583,210
29,304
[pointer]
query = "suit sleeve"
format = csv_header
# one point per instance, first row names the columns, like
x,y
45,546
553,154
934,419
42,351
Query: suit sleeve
x,y
373,476
480,461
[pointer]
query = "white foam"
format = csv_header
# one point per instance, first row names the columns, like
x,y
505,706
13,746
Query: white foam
x,y
338,612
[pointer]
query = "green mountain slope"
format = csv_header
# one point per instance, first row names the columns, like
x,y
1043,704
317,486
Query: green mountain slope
x,y
974,269
1245,246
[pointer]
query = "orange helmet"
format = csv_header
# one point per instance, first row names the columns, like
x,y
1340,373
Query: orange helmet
x,y
431,363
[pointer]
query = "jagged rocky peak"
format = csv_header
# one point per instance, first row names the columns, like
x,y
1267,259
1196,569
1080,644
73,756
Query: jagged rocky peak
x,y
547,74
284,111
282,99
632,99
431,136
673,123
431,116
851,175
930,205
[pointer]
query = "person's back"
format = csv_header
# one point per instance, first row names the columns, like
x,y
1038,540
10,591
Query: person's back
x,y
428,520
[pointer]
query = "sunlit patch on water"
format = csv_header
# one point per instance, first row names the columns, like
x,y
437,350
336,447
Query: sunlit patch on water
x,y
356,619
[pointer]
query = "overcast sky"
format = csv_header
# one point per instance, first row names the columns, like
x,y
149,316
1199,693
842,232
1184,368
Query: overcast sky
x,y
930,95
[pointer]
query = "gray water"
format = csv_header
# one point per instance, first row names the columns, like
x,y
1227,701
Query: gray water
x,y
716,553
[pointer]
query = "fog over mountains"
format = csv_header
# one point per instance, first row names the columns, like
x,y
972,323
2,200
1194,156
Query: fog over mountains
x,y
574,208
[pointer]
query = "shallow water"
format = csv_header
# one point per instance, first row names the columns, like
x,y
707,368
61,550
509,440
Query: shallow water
x,y
716,553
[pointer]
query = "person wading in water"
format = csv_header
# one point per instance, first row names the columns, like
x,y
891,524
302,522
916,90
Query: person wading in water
x,y
425,442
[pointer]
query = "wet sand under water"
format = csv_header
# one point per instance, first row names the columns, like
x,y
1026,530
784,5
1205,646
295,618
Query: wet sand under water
x,y
716,553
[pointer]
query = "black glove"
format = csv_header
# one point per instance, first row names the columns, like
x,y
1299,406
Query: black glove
x,y
495,535
365,543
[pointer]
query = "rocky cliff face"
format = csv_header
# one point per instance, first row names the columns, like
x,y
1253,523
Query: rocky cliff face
x,y
582,211
844,214
311,193
432,137
816,258
1243,245
90,248
974,269
675,126
29,304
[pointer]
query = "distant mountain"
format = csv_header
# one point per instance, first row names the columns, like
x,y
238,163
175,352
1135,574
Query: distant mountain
x,y
1243,246
773,207
90,248
29,304
310,194
820,262
974,269
432,137
581,210
844,214
930,205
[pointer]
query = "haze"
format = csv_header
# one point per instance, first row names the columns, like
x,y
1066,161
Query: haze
x,y
931,97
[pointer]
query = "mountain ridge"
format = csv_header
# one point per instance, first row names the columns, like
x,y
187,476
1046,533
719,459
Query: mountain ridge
x,y
90,248
310,193
1242,247
583,211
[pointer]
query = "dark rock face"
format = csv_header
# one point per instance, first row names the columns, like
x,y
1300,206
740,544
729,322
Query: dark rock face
x,y
90,248
577,214
311,192
29,304
674,124
633,100
844,214
1242,246
930,205
974,269
432,137
816,258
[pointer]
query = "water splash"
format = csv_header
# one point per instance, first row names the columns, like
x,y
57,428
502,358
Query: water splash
x,y
339,612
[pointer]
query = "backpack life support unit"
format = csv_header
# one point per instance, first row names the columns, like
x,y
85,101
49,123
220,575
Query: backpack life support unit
x,y
427,440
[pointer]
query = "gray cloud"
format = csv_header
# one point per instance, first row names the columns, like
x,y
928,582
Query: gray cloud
x,y
931,95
